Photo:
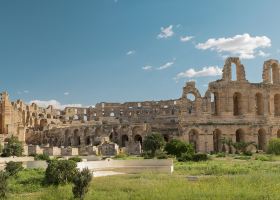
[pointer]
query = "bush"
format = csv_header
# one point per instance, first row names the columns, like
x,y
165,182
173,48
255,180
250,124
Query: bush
x,y
176,147
81,183
13,147
199,157
146,155
221,155
42,157
76,159
274,146
121,156
153,142
12,168
185,157
3,185
161,154
60,171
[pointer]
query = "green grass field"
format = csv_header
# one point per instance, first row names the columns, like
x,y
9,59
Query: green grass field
x,y
219,179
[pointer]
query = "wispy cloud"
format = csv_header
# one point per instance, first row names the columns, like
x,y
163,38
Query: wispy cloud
x,y
56,104
243,46
185,38
166,32
263,54
147,67
131,52
66,93
206,71
166,65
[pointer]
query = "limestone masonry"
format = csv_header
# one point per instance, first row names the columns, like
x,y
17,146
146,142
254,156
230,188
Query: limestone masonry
x,y
233,109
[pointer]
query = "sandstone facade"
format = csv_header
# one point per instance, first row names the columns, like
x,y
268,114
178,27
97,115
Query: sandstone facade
x,y
230,108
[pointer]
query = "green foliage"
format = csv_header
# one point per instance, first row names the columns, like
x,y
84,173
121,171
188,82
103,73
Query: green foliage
x,y
13,147
121,156
76,159
153,142
229,143
221,155
81,183
1,148
241,147
3,185
177,147
12,168
263,158
60,171
274,146
161,154
193,157
242,157
42,157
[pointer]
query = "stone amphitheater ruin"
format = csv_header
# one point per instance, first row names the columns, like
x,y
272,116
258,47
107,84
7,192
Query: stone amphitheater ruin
x,y
235,109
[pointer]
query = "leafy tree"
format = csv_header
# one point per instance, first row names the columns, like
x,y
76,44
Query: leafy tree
x,y
153,142
229,143
177,147
13,147
3,185
60,171
81,183
76,159
12,168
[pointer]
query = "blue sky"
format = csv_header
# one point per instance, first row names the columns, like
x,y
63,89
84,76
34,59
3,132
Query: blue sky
x,y
84,52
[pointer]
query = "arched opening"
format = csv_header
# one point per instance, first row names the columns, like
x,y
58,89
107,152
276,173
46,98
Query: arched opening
x,y
49,116
76,139
137,139
124,140
259,104
217,143
67,140
88,142
261,139
193,138
237,106
166,137
240,135
112,114
190,103
233,72
214,103
277,104
278,133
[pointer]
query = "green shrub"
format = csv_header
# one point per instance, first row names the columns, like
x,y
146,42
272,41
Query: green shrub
x,y
42,157
177,147
146,155
13,147
76,159
161,154
185,157
242,157
153,142
274,146
12,168
60,171
81,183
263,158
221,155
199,157
3,185
121,156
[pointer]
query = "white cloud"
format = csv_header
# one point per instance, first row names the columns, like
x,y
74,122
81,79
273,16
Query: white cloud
x,y
206,71
66,93
263,54
186,38
166,65
131,52
56,104
243,46
166,32
147,67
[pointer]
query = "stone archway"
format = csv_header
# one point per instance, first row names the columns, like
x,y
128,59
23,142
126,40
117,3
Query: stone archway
x,y
240,135
217,143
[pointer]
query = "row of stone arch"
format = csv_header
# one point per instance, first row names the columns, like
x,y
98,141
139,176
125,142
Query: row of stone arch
x,y
240,136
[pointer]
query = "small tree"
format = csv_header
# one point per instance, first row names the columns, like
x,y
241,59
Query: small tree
x,y
81,183
3,185
153,142
13,147
60,171
12,168
242,146
177,148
